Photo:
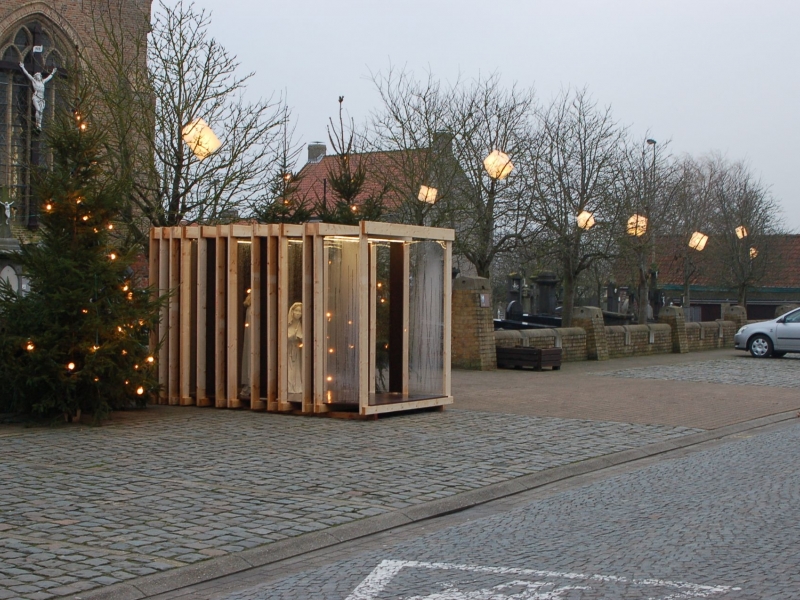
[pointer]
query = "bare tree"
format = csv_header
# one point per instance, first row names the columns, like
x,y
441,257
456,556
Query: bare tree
x,y
189,77
747,222
491,216
647,200
690,214
413,130
576,157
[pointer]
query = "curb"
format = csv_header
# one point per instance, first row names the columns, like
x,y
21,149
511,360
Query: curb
x,y
181,577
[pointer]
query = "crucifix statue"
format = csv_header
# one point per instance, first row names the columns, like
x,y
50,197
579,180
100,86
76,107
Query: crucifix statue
x,y
38,92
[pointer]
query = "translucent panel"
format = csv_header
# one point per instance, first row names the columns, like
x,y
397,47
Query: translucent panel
x,y
426,319
383,299
341,321
295,340
245,315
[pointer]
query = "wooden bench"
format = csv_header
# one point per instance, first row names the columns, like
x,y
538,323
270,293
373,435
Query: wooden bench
x,y
519,357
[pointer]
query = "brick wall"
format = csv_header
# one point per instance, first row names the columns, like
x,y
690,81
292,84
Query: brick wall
x,y
472,340
709,335
571,340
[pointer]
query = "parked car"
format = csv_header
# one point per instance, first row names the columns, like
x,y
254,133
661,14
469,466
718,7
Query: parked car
x,y
771,338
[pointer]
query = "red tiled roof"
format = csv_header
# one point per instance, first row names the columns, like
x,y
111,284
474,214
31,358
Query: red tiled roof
x,y
383,169
784,271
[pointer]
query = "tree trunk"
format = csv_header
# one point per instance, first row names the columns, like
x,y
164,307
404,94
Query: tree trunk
x,y
569,299
687,298
742,296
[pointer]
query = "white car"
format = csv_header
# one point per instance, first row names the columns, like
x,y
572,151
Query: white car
x,y
771,338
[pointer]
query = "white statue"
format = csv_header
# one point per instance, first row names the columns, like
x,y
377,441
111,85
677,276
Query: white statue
x,y
38,92
8,210
296,348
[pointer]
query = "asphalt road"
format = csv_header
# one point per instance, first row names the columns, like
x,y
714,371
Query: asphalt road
x,y
718,522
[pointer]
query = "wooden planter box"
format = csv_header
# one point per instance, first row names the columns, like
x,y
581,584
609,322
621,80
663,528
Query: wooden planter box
x,y
311,318
519,357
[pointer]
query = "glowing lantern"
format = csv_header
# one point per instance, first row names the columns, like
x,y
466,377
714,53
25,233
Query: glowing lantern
x,y
29,346
753,252
698,241
427,194
140,390
70,366
637,225
498,165
150,359
201,139
741,232
585,220
112,256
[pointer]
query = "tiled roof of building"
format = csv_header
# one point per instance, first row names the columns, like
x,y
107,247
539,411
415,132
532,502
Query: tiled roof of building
x,y
382,169
784,271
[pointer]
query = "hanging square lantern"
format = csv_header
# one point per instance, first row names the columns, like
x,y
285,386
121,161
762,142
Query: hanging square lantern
x,y
201,139
753,253
498,165
427,194
698,241
585,220
741,232
637,225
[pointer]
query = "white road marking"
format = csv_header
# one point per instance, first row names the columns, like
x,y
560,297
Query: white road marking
x,y
377,581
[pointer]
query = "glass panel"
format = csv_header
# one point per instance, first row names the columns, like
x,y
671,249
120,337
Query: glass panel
x,y
243,291
426,319
383,299
341,321
295,320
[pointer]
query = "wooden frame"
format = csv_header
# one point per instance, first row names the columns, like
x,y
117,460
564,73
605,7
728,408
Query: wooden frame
x,y
203,325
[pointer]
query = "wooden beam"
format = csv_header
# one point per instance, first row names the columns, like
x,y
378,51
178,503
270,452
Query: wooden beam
x,y
406,306
220,316
174,314
318,347
163,323
273,346
234,303
255,349
373,314
283,325
201,323
409,405
186,326
448,309
152,280
389,230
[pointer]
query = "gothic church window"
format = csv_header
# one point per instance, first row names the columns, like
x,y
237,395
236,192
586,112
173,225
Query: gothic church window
x,y
40,47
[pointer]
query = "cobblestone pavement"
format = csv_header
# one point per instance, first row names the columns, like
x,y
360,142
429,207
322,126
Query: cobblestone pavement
x,y
83,507
783,372
719,523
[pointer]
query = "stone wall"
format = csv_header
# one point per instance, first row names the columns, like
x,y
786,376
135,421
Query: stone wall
x,y
625,340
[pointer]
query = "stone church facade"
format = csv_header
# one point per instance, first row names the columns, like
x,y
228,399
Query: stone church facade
x,y
44,35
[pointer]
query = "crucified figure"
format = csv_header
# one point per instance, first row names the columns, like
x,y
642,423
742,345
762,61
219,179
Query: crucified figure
x,y
38,92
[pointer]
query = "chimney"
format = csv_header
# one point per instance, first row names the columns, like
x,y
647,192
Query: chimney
x,y
316,151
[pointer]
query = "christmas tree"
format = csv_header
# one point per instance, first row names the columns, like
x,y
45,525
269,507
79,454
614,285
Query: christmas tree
x,y
78,341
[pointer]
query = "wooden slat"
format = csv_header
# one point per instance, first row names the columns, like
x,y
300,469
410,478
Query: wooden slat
x,y
201,393
152,280
174,315
283,329
448,309
220,316
163,324
234,372
335,229
406,304
410,405
255,349
390,230
185,319
271,352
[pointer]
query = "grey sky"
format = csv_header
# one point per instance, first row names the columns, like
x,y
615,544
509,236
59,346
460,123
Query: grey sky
x,y
709,75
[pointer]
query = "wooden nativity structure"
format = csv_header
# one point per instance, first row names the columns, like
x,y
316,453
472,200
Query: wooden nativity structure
x,y
312,318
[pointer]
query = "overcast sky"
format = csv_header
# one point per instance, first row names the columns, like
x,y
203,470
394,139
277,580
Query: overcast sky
x,y
709,75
